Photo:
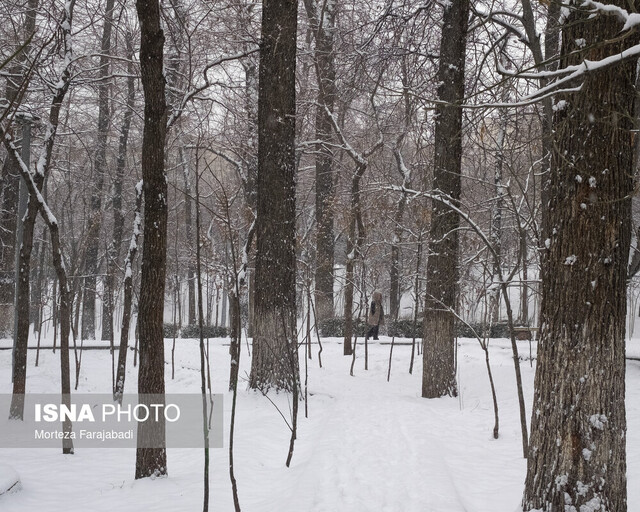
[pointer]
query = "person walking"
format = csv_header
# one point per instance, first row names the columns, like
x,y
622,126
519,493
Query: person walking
x,y
376,315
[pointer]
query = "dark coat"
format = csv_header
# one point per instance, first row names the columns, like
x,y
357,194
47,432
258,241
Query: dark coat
x,y
376,314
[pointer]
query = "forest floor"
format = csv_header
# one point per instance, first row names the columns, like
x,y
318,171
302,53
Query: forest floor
x,y
367,444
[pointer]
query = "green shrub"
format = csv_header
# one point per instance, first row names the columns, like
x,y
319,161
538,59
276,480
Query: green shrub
x,y
404,329
334,327
169,330
193,331
499,330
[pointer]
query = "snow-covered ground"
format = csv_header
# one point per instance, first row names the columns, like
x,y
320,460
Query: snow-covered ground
x,y
367,445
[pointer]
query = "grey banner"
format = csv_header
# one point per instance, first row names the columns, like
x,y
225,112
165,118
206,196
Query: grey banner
x,y
99,422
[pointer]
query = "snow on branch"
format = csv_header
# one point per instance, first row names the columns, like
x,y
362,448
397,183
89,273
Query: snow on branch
x,y
135,234
581,70
630,20
193,92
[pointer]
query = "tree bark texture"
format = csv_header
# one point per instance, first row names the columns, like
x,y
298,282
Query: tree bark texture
x,y
152,461
121,371
10,188
8,226
439,370
322,18
100,169
354,246
578,431
274,362
28,227
113,253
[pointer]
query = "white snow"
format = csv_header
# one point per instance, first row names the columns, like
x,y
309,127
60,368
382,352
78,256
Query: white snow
x,y
560,105
9,480
367,445
570,260
598,421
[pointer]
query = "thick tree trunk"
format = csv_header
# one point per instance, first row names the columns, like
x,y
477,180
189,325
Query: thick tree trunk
x,y
439,371
8,226
152,461
578,429
275,361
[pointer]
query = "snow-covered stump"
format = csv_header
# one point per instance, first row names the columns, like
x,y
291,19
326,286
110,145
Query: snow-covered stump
x,y
9,480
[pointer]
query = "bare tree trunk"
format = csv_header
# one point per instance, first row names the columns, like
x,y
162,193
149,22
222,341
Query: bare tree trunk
x,y
439,371
395,294
544,59
8,227
100,169
524,288
121,369
35,183
39,179
188,225
39,285
496,214
19,375
416,287
11,186
113,252
354,246
275,300
203,377
322,19
578,430
152,461
235,337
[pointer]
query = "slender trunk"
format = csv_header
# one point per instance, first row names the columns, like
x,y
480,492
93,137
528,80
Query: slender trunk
x,y
34,183
322,19
348,348
524,288
188,226
39,180
54,314
100,169
22,312
11,186
234,347
113,253
416,289
496,217
121,370
203,377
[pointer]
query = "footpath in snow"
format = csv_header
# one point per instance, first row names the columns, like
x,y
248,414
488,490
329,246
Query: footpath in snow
x,y
367,445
